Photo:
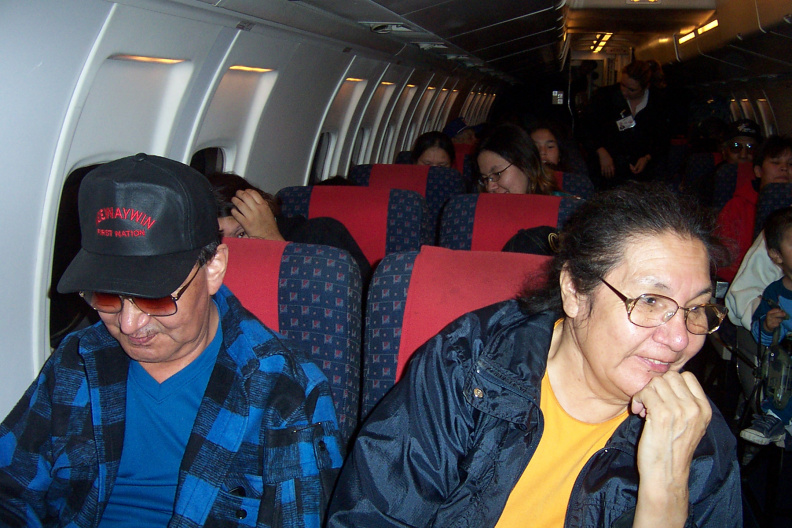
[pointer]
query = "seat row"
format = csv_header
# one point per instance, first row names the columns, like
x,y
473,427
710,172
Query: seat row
x,y
313,295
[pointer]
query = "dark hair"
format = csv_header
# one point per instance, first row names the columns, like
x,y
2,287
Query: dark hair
x,y
433,139
776,224
772,147
512,143
560,139
210,250
226,185
640,71
594,239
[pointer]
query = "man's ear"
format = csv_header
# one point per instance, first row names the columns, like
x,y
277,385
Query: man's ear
x,y
775,256
216,269
570,298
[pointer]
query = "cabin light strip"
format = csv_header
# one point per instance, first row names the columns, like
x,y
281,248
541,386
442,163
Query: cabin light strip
x,y
353,79
386,83
689,36
707,27
140,58
600,41
250,69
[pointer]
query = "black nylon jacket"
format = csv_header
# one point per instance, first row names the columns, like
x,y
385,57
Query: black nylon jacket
x,y
447,445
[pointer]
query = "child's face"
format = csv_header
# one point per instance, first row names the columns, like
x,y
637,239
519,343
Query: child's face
x,y
784,257
776,169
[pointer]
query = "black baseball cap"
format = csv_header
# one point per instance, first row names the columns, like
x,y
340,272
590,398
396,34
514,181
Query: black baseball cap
x,y
744,127
144,220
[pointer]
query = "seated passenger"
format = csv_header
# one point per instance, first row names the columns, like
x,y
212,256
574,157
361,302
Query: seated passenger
x,y
771,164
509,162
164,413
771,324
243,210
434,149
741,141
549,146
568,406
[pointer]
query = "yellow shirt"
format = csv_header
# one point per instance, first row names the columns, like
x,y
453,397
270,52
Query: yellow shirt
x,y
541,496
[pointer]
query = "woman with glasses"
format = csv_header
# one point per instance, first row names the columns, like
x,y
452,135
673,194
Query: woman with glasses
x,y
509,162
568,406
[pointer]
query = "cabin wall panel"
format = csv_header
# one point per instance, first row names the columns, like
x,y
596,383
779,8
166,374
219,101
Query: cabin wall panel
x,y
291,121
42,61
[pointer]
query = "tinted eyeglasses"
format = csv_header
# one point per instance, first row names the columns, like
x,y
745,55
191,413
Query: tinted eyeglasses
x,y
111,303
493,176
650,310
737,147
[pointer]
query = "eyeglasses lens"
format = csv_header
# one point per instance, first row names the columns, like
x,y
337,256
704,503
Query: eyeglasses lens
x,y
112,303
650,311
736,148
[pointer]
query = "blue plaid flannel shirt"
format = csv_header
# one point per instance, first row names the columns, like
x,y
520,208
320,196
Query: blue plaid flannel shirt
x,y
264,450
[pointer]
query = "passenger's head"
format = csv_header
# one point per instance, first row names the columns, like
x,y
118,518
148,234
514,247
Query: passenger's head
x,y
741,141
773,161
151,256
548,141
509,162
597,236
778,237
226,185
627,259
434,149
635,79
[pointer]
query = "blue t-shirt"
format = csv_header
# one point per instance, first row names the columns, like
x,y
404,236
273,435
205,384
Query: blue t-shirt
x,y
159,420
777,293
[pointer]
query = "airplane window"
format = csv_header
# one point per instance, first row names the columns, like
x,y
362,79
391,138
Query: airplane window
x,y
321,162
68,312
208,160
361,145
766,117
736,111
747,109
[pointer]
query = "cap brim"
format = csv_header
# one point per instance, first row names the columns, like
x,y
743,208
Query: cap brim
x,y
151,276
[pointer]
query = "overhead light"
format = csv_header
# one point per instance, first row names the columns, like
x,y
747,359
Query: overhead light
x,y
689,36
430,87
707,27
250,69
606,36
353,79
663,40
386,83
140,58
410,86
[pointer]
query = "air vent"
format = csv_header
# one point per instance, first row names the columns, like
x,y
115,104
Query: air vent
x,y
383,28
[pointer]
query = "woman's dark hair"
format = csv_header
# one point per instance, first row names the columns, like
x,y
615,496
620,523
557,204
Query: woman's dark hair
x,y
640,71
776,224
772,147
226,185
561,139
594,239
512,143
432,139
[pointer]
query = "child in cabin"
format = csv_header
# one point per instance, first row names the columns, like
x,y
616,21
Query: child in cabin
x,y
771,318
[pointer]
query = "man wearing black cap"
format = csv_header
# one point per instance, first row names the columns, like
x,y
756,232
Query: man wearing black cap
x,y
741,142
179,408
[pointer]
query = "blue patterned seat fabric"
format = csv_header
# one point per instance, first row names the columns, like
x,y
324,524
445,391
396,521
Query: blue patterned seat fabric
x,y
772,197
441,184
578,184
384,315
696,168
456,226
407,223
319,304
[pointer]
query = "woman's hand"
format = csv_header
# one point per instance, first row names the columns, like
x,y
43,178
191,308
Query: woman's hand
x,y
677,414
606,163
640,165
254,215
